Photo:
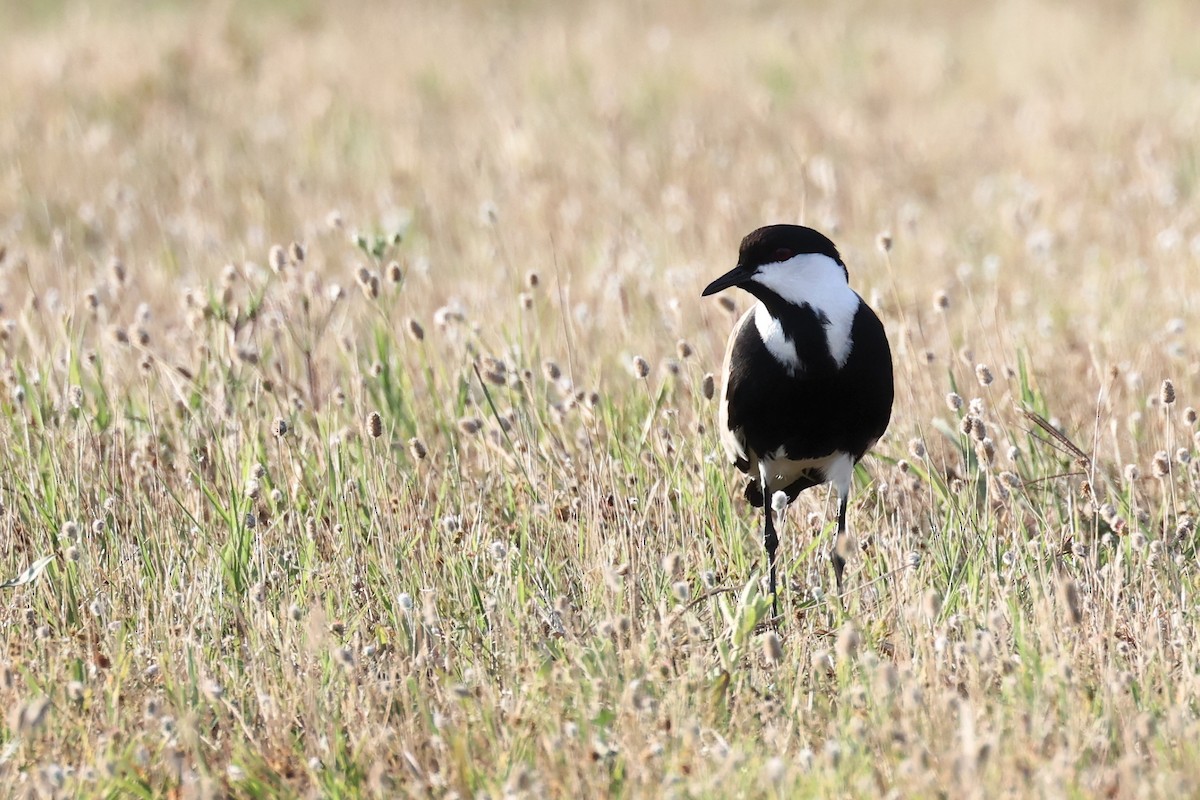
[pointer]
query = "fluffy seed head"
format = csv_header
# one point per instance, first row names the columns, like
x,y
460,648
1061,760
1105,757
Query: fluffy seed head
x,y
772,647
374,425
551,370
884,241
1161,466
641,367
280,428
931,604
779,502
277,258
470,425
847,642
683,350
983,374
296,251
708,386
416,449
116,269
532,279
1189,415
415,331
1070,596
1166,392
394,272
916,449
953,401
941,300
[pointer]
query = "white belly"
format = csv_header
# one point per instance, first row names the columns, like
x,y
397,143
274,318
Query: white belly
x,y
781,471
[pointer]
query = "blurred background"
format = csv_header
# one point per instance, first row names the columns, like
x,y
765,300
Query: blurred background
x,y
1036,161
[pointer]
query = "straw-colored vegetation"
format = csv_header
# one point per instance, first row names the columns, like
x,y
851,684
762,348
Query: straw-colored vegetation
x,y
389,511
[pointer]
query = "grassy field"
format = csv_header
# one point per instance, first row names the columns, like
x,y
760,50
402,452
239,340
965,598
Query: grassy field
x,y
320,330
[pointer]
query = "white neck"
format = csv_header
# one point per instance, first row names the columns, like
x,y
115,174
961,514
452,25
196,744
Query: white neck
x,y
816,281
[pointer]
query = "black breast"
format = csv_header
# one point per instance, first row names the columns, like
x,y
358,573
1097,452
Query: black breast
x,y
821,408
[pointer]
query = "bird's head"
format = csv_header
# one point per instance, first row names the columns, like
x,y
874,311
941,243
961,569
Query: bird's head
x,y
788,261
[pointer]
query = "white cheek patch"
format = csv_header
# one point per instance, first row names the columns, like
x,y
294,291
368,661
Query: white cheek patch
x,y
819,282
776,341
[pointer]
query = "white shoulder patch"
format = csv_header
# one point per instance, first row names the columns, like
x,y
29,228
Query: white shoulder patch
x,y
777,342
819,282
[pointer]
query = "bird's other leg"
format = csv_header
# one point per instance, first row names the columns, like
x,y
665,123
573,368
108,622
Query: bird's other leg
x,y
770,539
839,541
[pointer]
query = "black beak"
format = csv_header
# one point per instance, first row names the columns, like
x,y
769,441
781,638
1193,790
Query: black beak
x,y
735,276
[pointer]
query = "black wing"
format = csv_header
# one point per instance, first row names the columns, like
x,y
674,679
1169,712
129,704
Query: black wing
x,y
820,409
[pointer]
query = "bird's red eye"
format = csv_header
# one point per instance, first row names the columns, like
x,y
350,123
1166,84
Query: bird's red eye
x,y
782,254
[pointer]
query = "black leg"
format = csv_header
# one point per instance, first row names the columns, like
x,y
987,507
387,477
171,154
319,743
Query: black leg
x,y
771,543
839,540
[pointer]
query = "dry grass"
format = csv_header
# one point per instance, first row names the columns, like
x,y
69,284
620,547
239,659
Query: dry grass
x,y
262,587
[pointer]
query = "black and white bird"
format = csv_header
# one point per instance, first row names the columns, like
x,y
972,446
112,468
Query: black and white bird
x,y
807,386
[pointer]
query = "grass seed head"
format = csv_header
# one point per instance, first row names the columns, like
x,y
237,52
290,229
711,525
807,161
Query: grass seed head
x,y
470,425
683,349
708,386
1161,465
1166,393
1070,596
772,647
847,643
28,717
954,401
296,252
941,300
374,425
983,374
414,329
416,448
116,271
395,273
277,258
280,428
641,367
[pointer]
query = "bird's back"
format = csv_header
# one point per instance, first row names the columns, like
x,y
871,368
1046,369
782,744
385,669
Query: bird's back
x,y
812,412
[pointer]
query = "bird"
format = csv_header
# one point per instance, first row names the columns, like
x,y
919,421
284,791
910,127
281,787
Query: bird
x,y
807,384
